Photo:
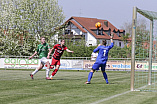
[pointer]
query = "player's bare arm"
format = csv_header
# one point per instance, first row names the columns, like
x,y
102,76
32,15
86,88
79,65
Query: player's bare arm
x,y
32,55
111,37
69,51
49,48
50,51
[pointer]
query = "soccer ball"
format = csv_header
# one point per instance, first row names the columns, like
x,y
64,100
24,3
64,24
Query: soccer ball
x,y
98,24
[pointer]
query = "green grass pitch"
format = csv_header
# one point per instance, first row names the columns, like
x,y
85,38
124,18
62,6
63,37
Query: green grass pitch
x,y
67,87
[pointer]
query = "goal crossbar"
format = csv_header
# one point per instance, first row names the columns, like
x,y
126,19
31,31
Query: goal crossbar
x,y
148,14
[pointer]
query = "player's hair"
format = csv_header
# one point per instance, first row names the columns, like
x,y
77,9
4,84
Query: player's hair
x,y
62,40
104,42
42,37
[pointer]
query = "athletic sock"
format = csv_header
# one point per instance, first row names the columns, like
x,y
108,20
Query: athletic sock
x,y
54,72
90,76
47,72
105,77
36,70
51,76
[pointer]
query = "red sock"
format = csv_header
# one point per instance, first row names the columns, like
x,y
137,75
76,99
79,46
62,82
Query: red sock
x,y
54,72
50,66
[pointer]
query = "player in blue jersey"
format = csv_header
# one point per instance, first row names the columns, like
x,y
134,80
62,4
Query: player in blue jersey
x,y
101,59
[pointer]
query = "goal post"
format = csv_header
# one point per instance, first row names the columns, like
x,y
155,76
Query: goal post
x,y
150,53
147,76
133,47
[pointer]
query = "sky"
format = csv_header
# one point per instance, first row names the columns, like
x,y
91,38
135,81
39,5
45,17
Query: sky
x,y
117,12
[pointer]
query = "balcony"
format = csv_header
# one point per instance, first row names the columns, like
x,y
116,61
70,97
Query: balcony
x,y
71,36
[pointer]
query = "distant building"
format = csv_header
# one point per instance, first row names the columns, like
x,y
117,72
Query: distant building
x,y
146,45
81,27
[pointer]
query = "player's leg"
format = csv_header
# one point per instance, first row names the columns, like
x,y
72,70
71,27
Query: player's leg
x,y
105,77
55,71
57,64
53,63
51,66
47,70
104,73
90,75
45,61
36,70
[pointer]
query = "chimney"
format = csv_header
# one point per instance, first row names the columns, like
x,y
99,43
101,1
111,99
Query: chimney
x,y
106,23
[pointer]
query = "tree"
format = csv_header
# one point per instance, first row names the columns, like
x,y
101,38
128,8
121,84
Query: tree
x,y
11,44
125,37
117,52
38,17
142,37
27,20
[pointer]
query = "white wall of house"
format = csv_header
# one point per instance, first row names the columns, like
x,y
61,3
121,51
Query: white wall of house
x,y
75,30
91,40
85,36
54,38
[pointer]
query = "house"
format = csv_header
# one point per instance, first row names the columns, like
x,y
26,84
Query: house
x,y
146,45
81,27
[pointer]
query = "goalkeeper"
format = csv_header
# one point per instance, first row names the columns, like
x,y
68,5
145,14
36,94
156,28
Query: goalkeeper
x,y
101,59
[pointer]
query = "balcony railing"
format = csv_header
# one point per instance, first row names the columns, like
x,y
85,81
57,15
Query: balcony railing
x,y
71,36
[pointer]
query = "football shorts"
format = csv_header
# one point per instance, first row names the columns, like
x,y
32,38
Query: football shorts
x,y
55,62
43,60
99,64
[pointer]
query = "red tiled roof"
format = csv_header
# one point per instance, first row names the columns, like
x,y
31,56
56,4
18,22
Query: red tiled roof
x,y
147,44
89,24
121,30
129,39
116,30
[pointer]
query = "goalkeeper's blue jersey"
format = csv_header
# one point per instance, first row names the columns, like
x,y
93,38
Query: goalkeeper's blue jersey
x,y
103,52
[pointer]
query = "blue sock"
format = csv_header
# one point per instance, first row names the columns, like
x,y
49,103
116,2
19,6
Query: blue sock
x,y
90,76
105,77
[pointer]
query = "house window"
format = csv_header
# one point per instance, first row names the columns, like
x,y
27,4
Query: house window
x,y
67,31
118,34
120,44
90,44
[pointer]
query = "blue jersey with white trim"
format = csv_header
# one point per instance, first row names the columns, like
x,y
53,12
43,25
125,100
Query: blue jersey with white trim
x,y
103,52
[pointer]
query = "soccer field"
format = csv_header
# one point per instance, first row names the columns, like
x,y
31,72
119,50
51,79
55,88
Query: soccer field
x,y
67,87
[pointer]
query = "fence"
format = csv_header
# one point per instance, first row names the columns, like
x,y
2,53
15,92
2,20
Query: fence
x,y
74,63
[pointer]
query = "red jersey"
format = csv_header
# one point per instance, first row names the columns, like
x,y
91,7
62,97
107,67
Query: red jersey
x,y
58,51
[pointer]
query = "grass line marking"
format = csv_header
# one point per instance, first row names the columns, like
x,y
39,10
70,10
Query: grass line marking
x,y
111,97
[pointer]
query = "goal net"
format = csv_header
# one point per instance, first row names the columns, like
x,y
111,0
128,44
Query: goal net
x,y
144,51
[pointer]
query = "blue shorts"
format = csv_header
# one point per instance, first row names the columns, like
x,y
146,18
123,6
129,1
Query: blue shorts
x,y
99,64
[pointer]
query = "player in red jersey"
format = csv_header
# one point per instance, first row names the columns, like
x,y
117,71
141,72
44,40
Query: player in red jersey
x,y
59,49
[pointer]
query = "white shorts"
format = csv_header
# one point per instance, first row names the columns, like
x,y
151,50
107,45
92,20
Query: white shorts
x,y
43,60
